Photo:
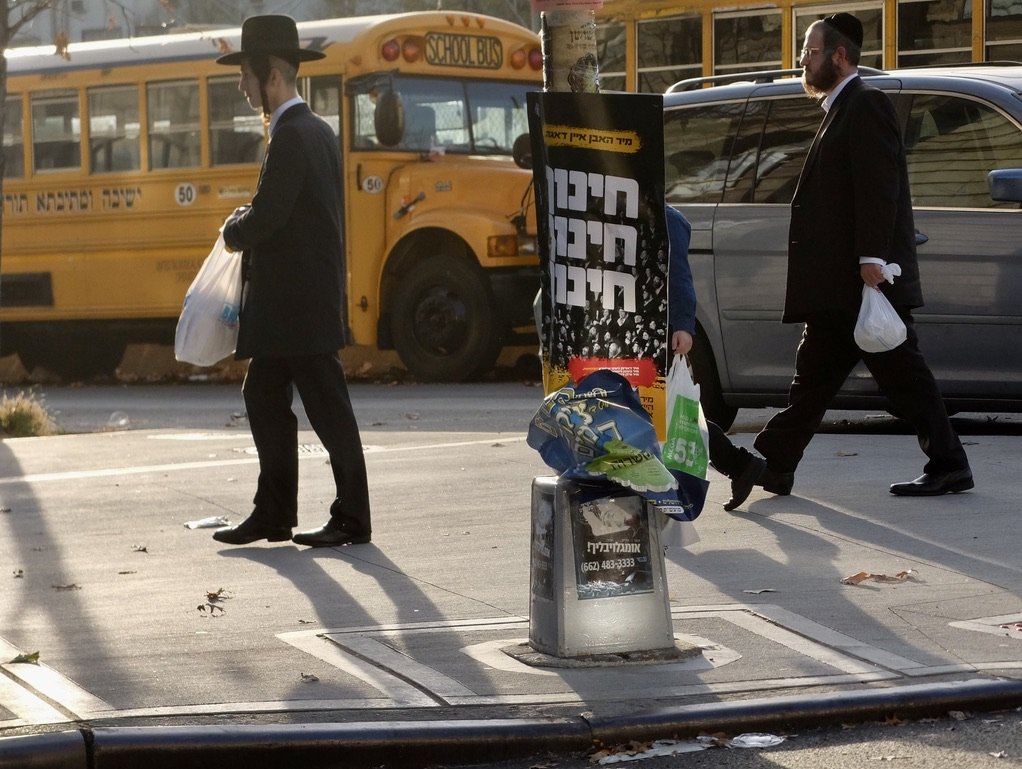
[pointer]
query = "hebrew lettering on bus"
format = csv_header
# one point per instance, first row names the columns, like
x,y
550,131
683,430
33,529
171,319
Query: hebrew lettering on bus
x,y
121,197
79,201
63,201
572,237
16,204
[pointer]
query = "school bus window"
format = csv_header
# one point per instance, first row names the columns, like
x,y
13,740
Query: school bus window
x,y
610,51
746,40
434,114
872,19
56,131
113,129
363,132
498,115
933,32
235,130
437,114
324,95
669,50
1003,31
14,144
173,121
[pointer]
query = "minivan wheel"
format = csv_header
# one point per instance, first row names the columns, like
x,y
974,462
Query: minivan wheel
x,y
704,372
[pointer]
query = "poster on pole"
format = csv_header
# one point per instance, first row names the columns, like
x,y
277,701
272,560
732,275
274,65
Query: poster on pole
x,y
598,165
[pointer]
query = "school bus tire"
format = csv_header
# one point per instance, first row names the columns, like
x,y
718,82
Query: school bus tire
x,y
72,356
446,325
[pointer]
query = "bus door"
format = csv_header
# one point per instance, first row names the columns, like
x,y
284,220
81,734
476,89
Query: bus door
x,y
323,95
368,166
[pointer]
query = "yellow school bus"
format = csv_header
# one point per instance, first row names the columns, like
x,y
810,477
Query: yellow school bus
x,y
648,45
123,159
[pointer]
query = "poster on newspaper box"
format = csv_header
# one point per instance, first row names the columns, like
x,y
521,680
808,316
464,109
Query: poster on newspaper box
x,y
598,166
610,538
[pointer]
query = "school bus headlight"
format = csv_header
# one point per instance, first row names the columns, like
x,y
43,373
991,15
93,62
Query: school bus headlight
x,y
518,58
502,245
390,50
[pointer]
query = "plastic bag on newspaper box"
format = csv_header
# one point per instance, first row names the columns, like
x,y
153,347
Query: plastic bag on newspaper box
x,y
598,429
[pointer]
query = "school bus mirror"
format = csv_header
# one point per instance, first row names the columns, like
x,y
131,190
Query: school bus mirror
x,y
521,151
389,118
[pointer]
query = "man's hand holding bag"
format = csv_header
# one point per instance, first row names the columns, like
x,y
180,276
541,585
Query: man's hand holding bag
x,y
207,331
879,328
687,438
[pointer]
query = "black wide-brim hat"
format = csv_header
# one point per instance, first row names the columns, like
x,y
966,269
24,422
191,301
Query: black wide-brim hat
x,y
270,35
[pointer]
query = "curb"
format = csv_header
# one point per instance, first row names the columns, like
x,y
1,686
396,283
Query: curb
x,y
416,743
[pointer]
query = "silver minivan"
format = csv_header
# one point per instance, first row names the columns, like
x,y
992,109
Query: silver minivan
x,y
733,156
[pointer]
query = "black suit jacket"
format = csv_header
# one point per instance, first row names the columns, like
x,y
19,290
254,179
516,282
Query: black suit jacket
x,y
852,200
294,293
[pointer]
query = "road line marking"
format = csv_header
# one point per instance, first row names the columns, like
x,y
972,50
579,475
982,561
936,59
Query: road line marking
x,y
28,708
424,677
110,472
401,693
49,686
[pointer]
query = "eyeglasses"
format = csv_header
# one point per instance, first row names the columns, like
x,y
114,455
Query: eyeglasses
x,y
807,53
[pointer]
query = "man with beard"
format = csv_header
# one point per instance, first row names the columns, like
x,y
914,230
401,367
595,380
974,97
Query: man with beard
x,y
851,214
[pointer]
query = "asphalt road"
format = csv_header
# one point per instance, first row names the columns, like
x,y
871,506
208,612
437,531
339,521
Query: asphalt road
x,y
980,741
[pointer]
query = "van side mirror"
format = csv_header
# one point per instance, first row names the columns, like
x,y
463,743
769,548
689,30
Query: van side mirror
x,y
389,118
1006,184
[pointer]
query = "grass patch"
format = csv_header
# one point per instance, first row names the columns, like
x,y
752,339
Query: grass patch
x,y
24,415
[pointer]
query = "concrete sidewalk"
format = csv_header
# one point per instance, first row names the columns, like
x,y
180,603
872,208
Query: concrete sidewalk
x,y
158,644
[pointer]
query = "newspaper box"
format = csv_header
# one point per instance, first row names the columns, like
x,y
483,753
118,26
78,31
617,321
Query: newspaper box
x,y
597,571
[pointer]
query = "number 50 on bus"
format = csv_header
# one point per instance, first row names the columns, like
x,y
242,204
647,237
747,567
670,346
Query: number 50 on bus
x,y
122,161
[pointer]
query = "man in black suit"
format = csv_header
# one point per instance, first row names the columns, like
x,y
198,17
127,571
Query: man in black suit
x,y
851,215
291,323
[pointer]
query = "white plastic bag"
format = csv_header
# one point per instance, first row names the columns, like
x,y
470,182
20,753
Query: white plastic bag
x,y
207,331
686,447
879,327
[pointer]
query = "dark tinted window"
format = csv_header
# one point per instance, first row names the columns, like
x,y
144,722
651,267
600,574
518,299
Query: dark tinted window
x,y
952,143
697,147
790,125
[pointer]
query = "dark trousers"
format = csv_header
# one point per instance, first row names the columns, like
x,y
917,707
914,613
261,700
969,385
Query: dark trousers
x,y
269,392
825,358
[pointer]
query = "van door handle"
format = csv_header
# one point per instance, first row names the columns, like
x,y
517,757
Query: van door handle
x,y
921,238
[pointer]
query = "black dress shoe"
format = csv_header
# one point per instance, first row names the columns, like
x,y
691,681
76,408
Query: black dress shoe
x,y
935,484
333,534
775,482
252,530
743,481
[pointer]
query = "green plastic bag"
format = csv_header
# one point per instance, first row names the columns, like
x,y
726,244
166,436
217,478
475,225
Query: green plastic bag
x,y
686,448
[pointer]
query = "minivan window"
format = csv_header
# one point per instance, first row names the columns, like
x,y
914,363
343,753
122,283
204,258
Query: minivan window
x,y
699,141
770,150
951,144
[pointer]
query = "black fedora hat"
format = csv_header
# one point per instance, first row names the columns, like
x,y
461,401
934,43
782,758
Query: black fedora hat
x,y
270,35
